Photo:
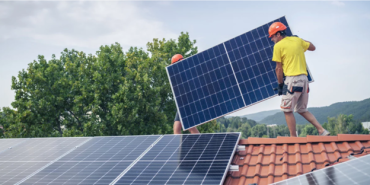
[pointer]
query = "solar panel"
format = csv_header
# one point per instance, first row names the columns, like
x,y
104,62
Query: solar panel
x,y
355,171
6,144
184,159
98,161
30,155
228,77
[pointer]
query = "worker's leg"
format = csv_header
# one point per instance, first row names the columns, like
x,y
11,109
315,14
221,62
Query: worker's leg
x,y
290,121
289,101
177,127
311,118
302,108
194,130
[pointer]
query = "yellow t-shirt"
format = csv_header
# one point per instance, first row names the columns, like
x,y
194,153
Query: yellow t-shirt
x,y
290,52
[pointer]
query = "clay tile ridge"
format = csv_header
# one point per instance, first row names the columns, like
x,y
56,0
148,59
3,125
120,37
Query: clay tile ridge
x,y
308,139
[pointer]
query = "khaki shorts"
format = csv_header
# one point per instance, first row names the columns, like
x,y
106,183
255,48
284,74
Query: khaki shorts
x,y
295,94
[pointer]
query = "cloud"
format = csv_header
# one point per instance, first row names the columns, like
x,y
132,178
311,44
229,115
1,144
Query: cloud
x,y
337,3
80,24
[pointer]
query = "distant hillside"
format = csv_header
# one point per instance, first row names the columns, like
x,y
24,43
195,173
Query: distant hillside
x,y
359,109
261,115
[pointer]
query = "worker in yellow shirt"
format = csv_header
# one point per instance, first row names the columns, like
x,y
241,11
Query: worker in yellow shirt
x,y
291,62
177,123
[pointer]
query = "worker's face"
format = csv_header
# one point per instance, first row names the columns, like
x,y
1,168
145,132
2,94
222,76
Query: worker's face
x,y
276,38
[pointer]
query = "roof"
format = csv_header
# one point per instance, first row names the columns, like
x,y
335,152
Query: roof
x,y
269,160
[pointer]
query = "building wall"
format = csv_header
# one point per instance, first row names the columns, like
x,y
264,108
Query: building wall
x,y
366,125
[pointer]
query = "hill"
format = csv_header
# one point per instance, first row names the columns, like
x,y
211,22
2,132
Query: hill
x,y
359,109
261,115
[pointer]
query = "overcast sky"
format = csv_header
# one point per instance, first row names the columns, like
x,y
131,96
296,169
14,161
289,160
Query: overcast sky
x,y
339,30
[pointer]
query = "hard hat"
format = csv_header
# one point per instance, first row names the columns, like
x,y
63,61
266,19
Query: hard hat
x,y
275,27
176,58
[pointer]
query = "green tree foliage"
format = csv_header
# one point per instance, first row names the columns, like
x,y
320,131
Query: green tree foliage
x,y
309,129
110,93
342,124
258,130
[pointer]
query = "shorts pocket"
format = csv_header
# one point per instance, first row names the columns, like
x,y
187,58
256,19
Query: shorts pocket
x,y
286,103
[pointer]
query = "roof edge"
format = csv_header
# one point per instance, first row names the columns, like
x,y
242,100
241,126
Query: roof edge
x,y
307,139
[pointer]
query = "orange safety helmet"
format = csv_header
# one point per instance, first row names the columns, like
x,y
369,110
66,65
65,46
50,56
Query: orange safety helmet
x,y
176,58
275,27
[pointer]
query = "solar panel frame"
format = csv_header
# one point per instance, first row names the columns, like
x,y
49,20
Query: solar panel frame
x,y
154,158
175,92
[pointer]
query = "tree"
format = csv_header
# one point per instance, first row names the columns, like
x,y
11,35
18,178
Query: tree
x,y
309,129
42,94
245,129
112,93
258,130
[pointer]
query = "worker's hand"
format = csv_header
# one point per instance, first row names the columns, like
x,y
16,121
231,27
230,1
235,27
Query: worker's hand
x,y
279,89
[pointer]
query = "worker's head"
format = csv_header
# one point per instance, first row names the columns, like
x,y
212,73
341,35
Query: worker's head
x,y
277,31
176,58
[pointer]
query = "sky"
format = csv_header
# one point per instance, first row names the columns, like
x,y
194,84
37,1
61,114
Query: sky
x,y
340,64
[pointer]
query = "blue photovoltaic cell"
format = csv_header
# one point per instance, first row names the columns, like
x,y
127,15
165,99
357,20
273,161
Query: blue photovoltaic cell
x,y
205,86
225,78
29,155
184,159
355,171
98,161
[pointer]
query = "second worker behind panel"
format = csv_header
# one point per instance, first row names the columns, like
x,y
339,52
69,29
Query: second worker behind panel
x,y
290,60
177,123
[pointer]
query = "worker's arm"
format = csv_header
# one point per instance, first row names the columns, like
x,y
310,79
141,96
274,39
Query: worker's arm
x,y
311,47
279,72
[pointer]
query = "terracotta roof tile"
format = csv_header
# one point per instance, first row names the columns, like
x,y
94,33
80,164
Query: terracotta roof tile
x,y
269,160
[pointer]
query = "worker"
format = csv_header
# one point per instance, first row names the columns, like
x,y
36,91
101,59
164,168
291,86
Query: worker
x,y
177,123
290,61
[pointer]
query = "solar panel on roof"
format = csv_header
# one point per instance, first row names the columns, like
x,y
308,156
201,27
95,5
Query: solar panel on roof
x,y
6,144
30,155
184,159
99,161
228,77
355,171
175,159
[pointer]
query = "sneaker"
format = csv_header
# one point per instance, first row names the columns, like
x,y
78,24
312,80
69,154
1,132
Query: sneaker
x,y
325,133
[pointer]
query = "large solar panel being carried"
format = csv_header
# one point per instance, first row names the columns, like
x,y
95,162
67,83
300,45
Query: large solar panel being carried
x,y
355,171
228,77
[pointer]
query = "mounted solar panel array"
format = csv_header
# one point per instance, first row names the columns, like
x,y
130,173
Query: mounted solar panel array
x,y
185,159
354,171
228,77
99,161
29,155
172,159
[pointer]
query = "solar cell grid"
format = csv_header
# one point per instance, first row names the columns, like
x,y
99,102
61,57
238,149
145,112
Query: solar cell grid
x,y
198,82
99,161
233,75
5,144
184,159
355,171
30,155
13,172
41,149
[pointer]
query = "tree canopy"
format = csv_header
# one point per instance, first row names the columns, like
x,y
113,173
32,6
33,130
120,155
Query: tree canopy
x,y
110,93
